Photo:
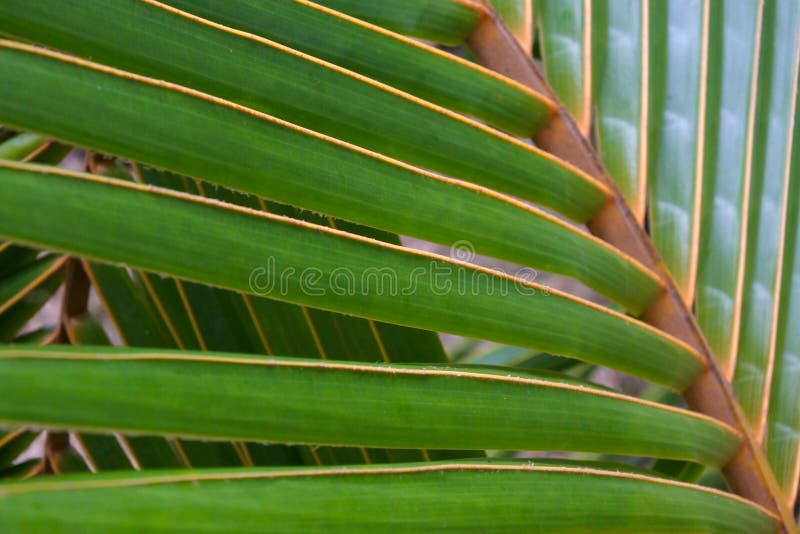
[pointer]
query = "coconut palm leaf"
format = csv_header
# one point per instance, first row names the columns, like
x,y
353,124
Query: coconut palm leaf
x,y
241,311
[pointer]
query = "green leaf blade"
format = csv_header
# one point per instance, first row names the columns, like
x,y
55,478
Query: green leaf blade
x,y
441,21
423,291
771,176
408,65
273,79
725,191
566,49
460,497
678,98
782,432
295,167
620,95
289,400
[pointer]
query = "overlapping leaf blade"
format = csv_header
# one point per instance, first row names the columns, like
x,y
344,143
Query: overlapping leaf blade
x,y
258,326
334,178
275,80
405,64
249,252
558,185
240,397
26,282
108,452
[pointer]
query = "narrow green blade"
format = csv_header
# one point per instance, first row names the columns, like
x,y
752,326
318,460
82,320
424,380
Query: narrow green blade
x,y
726,189
565,27
157,230
118,292
782,441
440,21
620,94
136,319
291,400
464,498
409,65
679,40
778,98
782,438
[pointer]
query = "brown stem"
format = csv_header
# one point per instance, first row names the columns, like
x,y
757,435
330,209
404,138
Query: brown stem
x,y
748,474
75,300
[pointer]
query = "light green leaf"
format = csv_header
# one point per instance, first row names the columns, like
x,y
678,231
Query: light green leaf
x,y
782,437
21,145
735,36
620,94
678,88
565,27
778,98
